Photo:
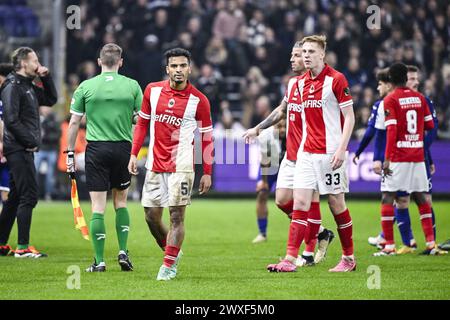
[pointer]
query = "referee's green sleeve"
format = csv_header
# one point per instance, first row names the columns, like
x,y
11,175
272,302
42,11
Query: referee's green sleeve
x,y
138,97
77,105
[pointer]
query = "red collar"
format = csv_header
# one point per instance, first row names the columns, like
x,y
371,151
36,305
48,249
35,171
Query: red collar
x,y
321,74
184,93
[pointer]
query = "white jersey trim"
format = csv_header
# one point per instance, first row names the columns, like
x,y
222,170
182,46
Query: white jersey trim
x,y
144,115
155,93
291,84
390,122
346,104
184,161
331,114
76,113
205,129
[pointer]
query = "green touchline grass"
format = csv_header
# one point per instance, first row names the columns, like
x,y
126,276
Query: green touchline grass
x,y
219,260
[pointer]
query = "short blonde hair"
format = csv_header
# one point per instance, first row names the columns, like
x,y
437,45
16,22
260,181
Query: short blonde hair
x,y
321,40
110,54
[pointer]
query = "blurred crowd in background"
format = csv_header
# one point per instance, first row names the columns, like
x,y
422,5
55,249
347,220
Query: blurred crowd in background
x,y
241,49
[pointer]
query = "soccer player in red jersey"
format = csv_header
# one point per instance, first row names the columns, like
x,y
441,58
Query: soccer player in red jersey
x,y
328,121
172,110
407,116
290,109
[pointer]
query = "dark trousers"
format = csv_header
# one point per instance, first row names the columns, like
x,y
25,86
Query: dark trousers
x,y
23,197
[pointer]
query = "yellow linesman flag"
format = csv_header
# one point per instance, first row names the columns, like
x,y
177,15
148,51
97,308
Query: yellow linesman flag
x,y
80,223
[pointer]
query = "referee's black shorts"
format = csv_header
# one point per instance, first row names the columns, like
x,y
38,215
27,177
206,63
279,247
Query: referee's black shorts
x,y
107,165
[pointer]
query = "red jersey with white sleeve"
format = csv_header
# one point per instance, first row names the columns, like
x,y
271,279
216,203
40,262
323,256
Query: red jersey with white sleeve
x,y
322,99
406,117
172,117
293,119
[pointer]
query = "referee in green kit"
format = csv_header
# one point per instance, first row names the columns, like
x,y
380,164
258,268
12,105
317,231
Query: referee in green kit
x,y
110,102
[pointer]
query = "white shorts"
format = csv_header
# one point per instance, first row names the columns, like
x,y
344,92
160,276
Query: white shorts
x,y
167,189
313,171
286,174
406,176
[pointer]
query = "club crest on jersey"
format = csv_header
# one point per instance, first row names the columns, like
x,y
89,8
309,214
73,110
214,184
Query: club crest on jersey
x,y
311,89
171,103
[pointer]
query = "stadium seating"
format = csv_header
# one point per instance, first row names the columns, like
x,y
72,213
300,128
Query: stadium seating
x,y
18,20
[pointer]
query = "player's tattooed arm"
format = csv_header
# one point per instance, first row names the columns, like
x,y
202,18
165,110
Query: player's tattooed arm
x,y
275,117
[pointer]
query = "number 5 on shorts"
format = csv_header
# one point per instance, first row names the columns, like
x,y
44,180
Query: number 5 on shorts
x,y
184,189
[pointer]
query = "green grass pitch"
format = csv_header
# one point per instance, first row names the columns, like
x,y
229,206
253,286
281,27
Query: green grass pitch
x,y
219,260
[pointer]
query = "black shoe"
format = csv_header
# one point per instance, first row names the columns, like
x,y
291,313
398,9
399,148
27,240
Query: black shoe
x,y
323,242
445,245
5,250
308,261
101,267
434,251
124,261
326,234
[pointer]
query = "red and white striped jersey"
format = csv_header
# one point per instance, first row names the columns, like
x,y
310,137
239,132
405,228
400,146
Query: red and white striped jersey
x,y
293,122
322,99
174,116
406,110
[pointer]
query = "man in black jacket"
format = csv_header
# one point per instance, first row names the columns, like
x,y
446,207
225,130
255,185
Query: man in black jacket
x,y
22,136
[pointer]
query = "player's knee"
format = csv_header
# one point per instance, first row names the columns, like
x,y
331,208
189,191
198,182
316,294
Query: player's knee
x,y
120,204
261,186
387,198
176,220
281,203
302,204
402,202
336,204
151,217
120,198
262,195
284,204
176,217
429,198
283,198
420,198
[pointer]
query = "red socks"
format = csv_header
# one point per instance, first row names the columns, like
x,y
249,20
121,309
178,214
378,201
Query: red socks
x,y
387,222
171,255
287,208
314,222
296,232
345,230
427,221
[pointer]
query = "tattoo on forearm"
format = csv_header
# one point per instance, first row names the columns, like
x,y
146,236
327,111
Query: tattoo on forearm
x,y
272,119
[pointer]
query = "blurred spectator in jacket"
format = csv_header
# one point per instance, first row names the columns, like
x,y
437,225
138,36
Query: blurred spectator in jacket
x,y
45,159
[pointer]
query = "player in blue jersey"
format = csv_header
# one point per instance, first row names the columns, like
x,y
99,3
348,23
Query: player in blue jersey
x,y
384,87
402,204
